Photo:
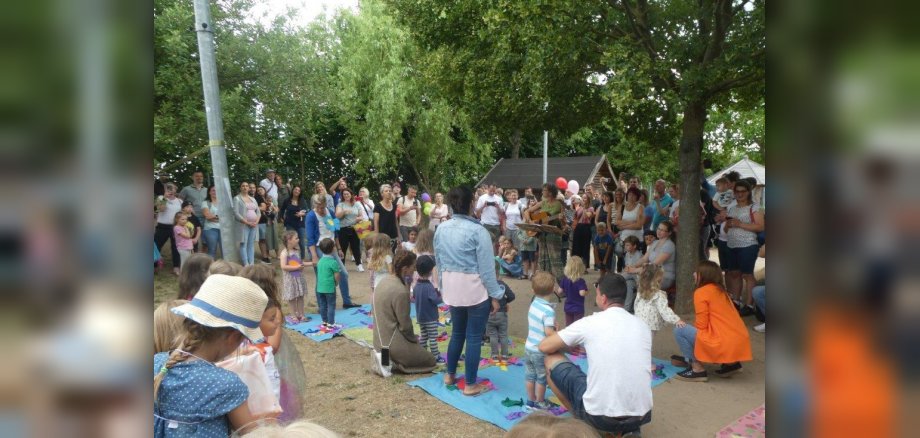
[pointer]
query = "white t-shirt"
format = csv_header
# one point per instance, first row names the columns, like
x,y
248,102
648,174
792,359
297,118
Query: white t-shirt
x,y
513,215
619,348
408,218
489,215
270,188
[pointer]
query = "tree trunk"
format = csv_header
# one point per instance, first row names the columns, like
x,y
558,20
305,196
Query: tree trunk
x,y
688,239
515,144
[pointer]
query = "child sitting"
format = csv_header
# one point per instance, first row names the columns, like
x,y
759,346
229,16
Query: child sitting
x,y
191,395
574,290
427,299
652,302
409,245
631,269
327,277
497,326
603,249
541,323
508,258
648,238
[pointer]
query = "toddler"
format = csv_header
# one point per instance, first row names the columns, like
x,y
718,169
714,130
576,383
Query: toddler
x,y
185,239
541,320
724,195
193,225
294,284
328,276
652,302
427,299
603,249
574,289
631,268
497,326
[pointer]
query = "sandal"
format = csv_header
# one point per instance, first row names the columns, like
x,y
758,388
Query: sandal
x,y
479,390
305,319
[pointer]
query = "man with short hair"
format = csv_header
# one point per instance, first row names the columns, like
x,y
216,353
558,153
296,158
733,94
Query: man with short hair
x,y
196,193
633,182
409,209
489,210
661,202
616,395
271,189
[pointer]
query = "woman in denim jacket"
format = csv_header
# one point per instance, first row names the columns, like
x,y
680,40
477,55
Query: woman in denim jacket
x,y
467,281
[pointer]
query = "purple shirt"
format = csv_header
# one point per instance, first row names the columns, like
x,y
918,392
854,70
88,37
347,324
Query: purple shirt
x,y
574,302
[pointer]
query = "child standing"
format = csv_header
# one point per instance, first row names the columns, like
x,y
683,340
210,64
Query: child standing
x,y
652,302
631,269
294,285
603,248
574,289
193,225
409,245
542,323
508,258
327,276
528,252
427,299
497,326
185,240
191,395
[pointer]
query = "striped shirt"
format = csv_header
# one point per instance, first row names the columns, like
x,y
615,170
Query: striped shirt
x,y
541,315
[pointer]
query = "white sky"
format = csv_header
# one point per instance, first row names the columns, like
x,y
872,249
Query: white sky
x,y
308,10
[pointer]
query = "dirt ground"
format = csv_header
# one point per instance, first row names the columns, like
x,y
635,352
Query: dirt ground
x,y
346,398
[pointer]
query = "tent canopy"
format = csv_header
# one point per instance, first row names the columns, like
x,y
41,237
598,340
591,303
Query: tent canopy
x,y
746,168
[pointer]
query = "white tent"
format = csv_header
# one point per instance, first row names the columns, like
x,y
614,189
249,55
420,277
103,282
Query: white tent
x,y
746,168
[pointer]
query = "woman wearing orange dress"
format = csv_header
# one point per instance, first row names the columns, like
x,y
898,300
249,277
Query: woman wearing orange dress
x,y
717,336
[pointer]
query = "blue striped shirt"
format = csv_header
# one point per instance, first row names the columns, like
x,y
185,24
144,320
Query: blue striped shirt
x,y
541,315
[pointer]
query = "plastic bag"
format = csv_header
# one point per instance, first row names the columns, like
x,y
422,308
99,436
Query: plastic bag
x,y
251,371
377,365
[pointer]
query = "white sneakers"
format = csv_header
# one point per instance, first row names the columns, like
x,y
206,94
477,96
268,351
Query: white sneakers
x,y
360,268
762,328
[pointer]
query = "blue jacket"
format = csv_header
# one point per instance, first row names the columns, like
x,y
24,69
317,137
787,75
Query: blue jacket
x,y
462,244
312,223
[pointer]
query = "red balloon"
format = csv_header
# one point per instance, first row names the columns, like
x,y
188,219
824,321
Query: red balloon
x,y
562,183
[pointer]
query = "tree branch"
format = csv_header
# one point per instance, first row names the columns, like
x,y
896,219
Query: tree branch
x,y
735,82
642,34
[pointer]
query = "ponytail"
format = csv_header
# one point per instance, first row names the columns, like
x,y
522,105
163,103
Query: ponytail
x,y
195,336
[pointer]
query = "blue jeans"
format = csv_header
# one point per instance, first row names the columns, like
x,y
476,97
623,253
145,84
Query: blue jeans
x,y
248,245
469,325
212,239
686,340
343,277
572,383
302,236
534,367
760,298
326,305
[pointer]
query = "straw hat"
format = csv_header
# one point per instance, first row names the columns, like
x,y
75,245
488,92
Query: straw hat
x,y
226,301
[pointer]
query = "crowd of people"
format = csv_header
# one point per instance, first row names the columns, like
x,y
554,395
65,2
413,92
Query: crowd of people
x,y
454,251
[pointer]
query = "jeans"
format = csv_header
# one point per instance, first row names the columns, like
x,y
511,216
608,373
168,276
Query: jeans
x,y
534,367
248,245
343,277
686,340
302,236
572,383
326,305
469,325
760,298
212,239
497,331
630,292
163,233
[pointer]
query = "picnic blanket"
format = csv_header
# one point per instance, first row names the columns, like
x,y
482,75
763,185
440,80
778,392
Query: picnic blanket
x,y
503,404
751,425
348,318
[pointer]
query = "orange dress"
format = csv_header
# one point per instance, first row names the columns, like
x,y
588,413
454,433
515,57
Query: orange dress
x,y
721,335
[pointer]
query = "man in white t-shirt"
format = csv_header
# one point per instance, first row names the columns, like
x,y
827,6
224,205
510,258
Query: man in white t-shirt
x,y
616,395
409,212
489,210
271,189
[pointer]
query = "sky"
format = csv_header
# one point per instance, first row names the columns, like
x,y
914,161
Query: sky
x,y
308,10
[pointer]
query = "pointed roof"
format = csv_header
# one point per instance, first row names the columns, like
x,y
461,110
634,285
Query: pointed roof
x,y
528,172
746,168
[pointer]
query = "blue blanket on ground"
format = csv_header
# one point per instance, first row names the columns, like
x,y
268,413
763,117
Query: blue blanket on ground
x,y
348,318
509,387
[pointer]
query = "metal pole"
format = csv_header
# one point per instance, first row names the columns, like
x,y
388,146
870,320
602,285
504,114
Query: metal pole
x,y
205,30
545,154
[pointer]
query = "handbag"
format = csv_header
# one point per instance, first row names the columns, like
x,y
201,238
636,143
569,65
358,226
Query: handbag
x,y
364,228
380,360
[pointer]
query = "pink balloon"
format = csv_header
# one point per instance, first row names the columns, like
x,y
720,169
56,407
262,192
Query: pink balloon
x,y
561,183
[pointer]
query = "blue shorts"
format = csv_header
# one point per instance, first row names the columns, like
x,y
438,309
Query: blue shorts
x,y
534,368
572,382
743,259
724,255
262,231
528,256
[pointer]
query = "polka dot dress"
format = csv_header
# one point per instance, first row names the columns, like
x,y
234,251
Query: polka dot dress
x,y
194,399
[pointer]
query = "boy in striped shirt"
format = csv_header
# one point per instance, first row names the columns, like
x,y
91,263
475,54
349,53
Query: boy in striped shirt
x,y
541,319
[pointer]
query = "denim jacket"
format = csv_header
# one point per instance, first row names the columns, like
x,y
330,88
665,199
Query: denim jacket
x,y
312,223
466,265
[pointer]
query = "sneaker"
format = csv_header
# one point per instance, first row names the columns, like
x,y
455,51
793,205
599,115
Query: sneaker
x,y
439,359
360,268
530,405
727,370
350,306
691,376
762,328
746,311
679,361
545,405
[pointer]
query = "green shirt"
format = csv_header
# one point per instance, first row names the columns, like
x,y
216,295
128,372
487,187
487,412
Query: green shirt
x,y
325,274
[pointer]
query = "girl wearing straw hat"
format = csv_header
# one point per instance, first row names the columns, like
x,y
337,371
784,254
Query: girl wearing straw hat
x,y
192,396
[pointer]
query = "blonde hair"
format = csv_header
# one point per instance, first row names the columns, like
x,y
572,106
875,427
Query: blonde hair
x,y
177,216
380,248
574,268
297,429
424,241
540,425
224,267
650,280
286,237
167,326
193,336
543,283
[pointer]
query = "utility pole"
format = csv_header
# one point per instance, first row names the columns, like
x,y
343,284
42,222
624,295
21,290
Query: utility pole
x,y
205,30
545,146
